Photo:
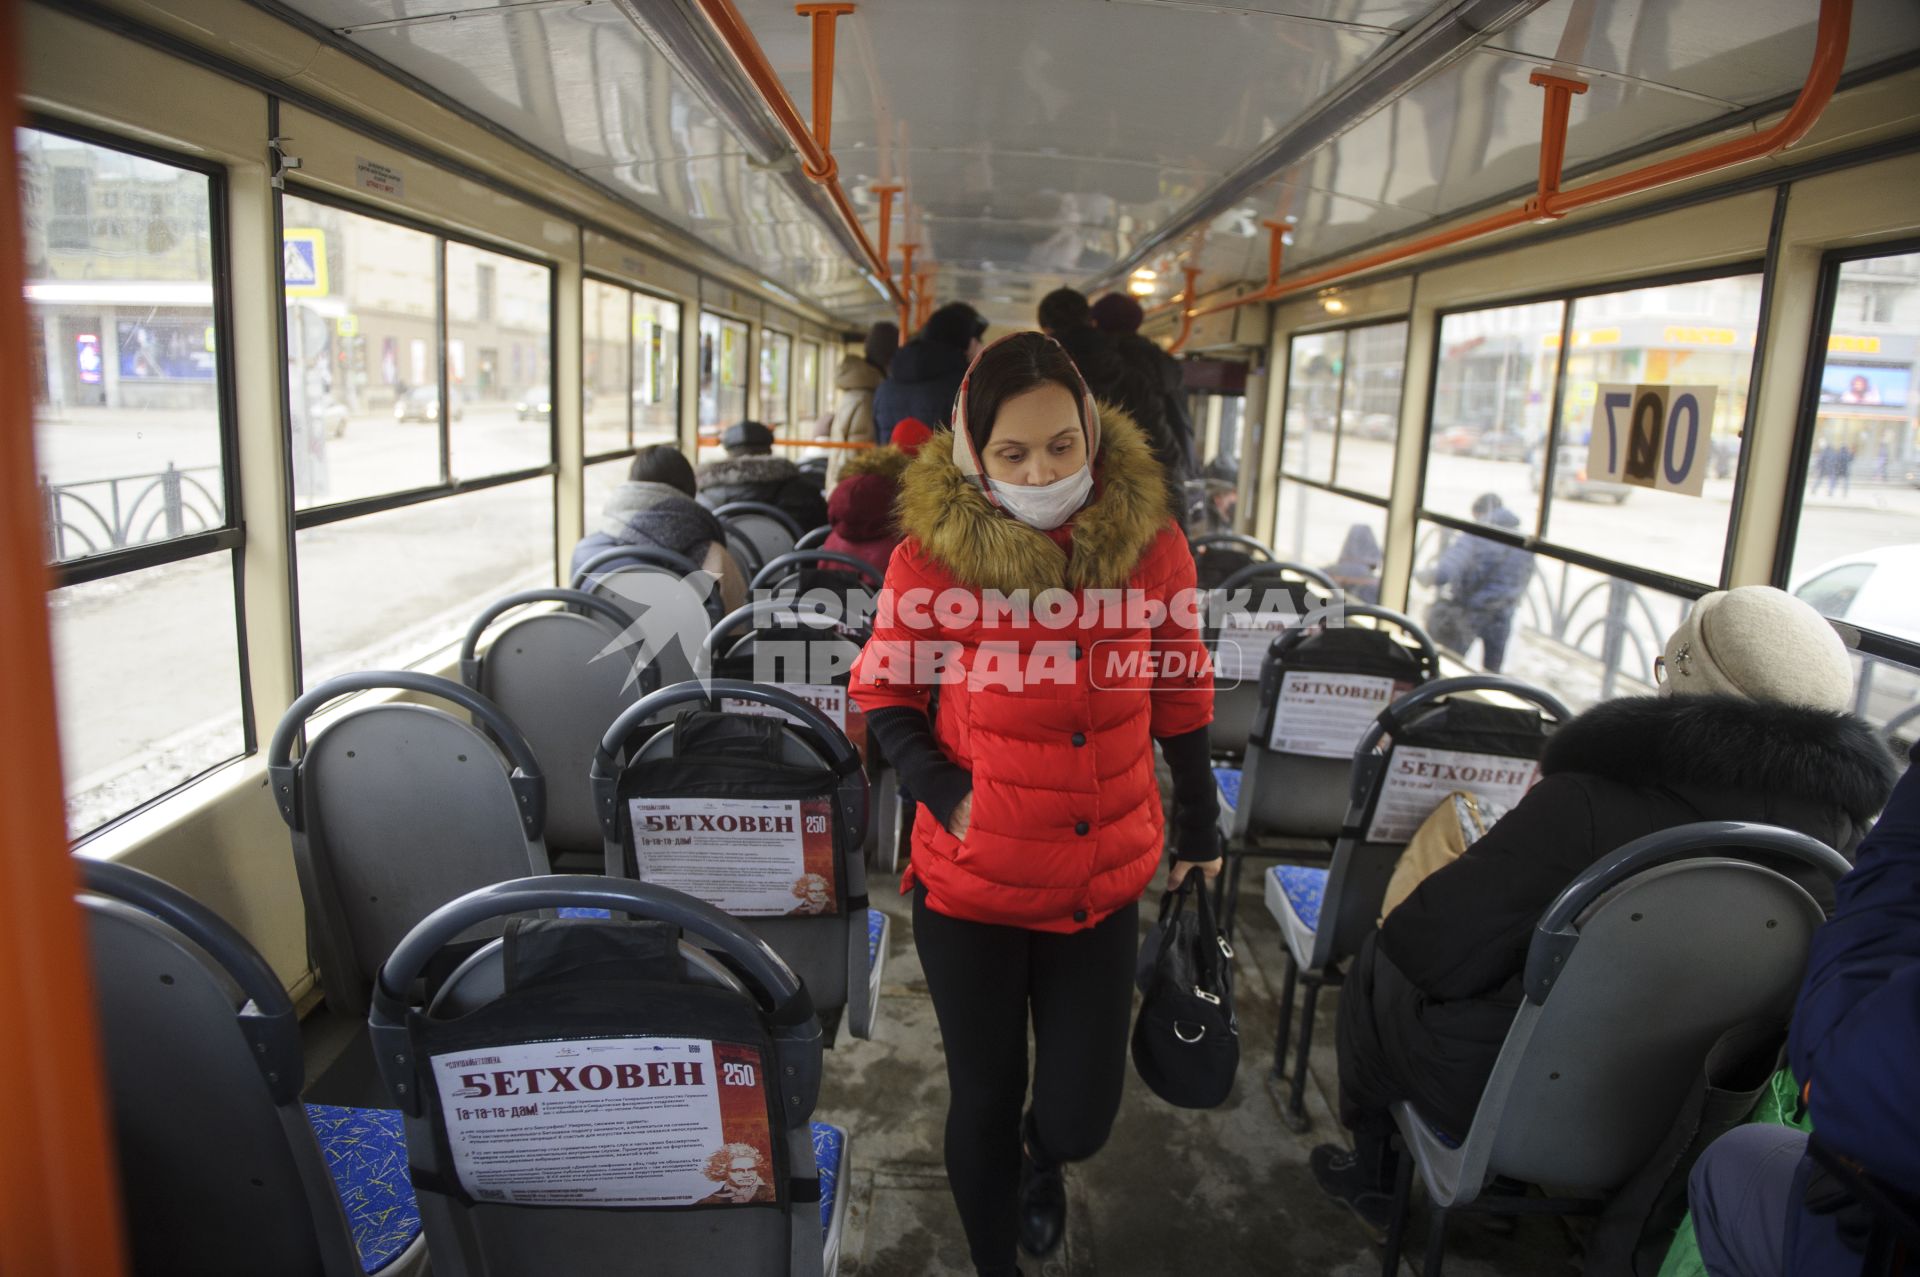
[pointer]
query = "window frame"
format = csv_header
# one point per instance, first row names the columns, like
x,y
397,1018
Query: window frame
x,y
1286,402
1826,296
768,333
230,538
750,357
1542,544
679,405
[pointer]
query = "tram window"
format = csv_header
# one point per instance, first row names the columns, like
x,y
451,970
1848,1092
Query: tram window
x,y
499,362
1370,407
1694,334
1337,534
600,479
656,370
723,371
1587,635
1492,392
1860,508
383,591
1313,405
125,357
607,397
776,350
363,354
807,376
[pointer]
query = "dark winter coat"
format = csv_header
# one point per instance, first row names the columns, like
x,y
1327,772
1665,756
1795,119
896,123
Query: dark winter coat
x,y
1170,427
1444,975
1132,380
1856,1032
1486,577
658,516
921,382
773,481
861,508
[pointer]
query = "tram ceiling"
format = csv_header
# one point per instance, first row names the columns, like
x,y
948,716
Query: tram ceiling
x,y
1060,141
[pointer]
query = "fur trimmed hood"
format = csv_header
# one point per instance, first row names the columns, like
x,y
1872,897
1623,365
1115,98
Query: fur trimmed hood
x,y
739,471
958,528
1727,742
886,461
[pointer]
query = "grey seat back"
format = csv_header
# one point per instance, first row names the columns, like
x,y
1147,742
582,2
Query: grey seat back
x,y
1667,962
768,529
1252,608
562,677
471,1239
671,614
220,1173
396,809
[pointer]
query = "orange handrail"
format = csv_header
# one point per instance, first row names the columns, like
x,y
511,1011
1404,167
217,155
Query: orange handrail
x,y
1187,313
59,1197
713,437
906,290
1823,76
886,194
816,161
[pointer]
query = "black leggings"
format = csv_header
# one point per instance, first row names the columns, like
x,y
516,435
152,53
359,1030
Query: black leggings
x,y
983,980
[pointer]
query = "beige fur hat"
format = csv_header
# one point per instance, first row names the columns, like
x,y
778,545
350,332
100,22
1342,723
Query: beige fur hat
x,y
1763,644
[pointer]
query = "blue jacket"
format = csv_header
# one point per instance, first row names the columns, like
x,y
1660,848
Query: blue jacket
x,y
1488,577
1856,1032
921,382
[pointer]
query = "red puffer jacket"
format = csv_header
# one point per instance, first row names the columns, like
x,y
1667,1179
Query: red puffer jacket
x,y
1055,723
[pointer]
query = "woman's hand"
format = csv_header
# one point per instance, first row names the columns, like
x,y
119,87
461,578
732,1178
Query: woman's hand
x,y
962,818
1209,869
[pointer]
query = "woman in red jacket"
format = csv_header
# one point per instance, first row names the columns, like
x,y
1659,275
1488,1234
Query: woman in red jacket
x,y
1046,592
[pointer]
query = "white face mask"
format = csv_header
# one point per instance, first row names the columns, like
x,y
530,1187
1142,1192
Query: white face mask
x,y
1048,506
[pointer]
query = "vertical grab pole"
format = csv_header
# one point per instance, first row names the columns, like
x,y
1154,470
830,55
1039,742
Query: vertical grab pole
x,y
1276,244
825,18
906,289
1553,139
59,1200
886,194
1187,300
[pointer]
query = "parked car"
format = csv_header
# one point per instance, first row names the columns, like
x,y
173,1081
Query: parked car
x,y
1873,589
1501,445
422,403
534,404
1458,440
1570,476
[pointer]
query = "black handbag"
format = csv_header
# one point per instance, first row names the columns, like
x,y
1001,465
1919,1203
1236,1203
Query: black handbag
x,y
1186,1041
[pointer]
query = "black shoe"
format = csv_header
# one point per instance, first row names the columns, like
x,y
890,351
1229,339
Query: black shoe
x,y
1043,1208
1342,1177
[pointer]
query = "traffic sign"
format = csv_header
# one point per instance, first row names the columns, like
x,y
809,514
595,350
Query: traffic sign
x,y
304,261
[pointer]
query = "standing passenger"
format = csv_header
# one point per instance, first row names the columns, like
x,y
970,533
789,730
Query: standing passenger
x,y
858,378
1043,823
926,372
1120,316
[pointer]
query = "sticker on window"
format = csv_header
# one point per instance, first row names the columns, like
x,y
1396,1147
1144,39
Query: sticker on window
x,y
609,1122
1325,715
746,858
1418,780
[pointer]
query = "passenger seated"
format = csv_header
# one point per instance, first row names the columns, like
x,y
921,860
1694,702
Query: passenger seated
x,y
1751,723
750,472
655,509
1761,1206
861,507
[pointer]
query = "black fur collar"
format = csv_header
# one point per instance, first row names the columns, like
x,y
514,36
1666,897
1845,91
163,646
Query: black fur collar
x,y
1726,742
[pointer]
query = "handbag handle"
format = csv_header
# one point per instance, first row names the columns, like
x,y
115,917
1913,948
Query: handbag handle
x,y
1213,954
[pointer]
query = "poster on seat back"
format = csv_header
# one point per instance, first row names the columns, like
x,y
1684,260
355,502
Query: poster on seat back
x,y
829,698
747,858
1325,715
1244,639
610,1122
1419,779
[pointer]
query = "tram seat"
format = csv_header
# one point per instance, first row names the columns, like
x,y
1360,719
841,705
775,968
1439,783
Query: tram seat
x,y
852,582
1293,780
1276,597
671,600
557,995
223,1170
1633,974
562,677
673,746
397,808
770,530
1326,913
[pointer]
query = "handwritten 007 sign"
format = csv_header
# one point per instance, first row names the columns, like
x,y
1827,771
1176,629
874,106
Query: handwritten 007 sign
x,y
1652,437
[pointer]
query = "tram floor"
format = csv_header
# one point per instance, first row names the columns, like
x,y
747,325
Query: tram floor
x,y
1223,1191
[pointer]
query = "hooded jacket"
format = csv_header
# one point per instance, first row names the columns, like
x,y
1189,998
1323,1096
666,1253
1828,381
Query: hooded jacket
x,y
1486,577
1445,980
1053,725
852,412
921,382
861,506
662,517
773,481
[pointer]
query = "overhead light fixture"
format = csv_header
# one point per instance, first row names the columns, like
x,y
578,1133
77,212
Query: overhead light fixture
x,y
1142,287
1146,273
1333,305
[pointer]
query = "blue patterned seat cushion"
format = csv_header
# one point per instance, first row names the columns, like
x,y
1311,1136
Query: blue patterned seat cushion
x,y
573,911
876,933
1229,780
1304,885
367,1154
828,1143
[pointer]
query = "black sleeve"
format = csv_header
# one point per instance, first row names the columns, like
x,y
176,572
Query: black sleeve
x,y
932,778
1196,800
